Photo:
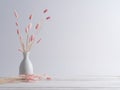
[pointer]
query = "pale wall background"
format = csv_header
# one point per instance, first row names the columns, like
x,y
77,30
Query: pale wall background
x,y
82,37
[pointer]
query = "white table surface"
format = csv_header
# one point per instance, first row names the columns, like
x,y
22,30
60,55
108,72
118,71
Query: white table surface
x,y
82,83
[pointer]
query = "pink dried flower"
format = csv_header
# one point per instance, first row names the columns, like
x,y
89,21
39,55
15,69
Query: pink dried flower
x,y
16,14
18,32
16,23
32,37
30,17
29,26
47,18
27,44
45,10
37,27
26,30
31,77
39,41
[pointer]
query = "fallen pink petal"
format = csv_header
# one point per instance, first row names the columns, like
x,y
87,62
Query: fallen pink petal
x,y
29,77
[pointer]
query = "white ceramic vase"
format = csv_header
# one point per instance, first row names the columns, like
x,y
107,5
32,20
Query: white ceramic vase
x,y
26,67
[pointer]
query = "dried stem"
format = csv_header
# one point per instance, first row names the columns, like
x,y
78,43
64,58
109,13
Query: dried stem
x,y
27,42
22,43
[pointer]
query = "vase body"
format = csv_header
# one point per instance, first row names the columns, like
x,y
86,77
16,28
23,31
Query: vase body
x,y
26,67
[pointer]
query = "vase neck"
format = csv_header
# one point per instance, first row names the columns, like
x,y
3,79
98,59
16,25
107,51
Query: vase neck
x,y
26,55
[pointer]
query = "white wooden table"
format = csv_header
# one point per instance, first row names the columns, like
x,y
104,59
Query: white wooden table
x,y
82,83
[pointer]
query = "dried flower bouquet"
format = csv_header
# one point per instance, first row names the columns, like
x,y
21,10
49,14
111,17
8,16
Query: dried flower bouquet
x,y
27,44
